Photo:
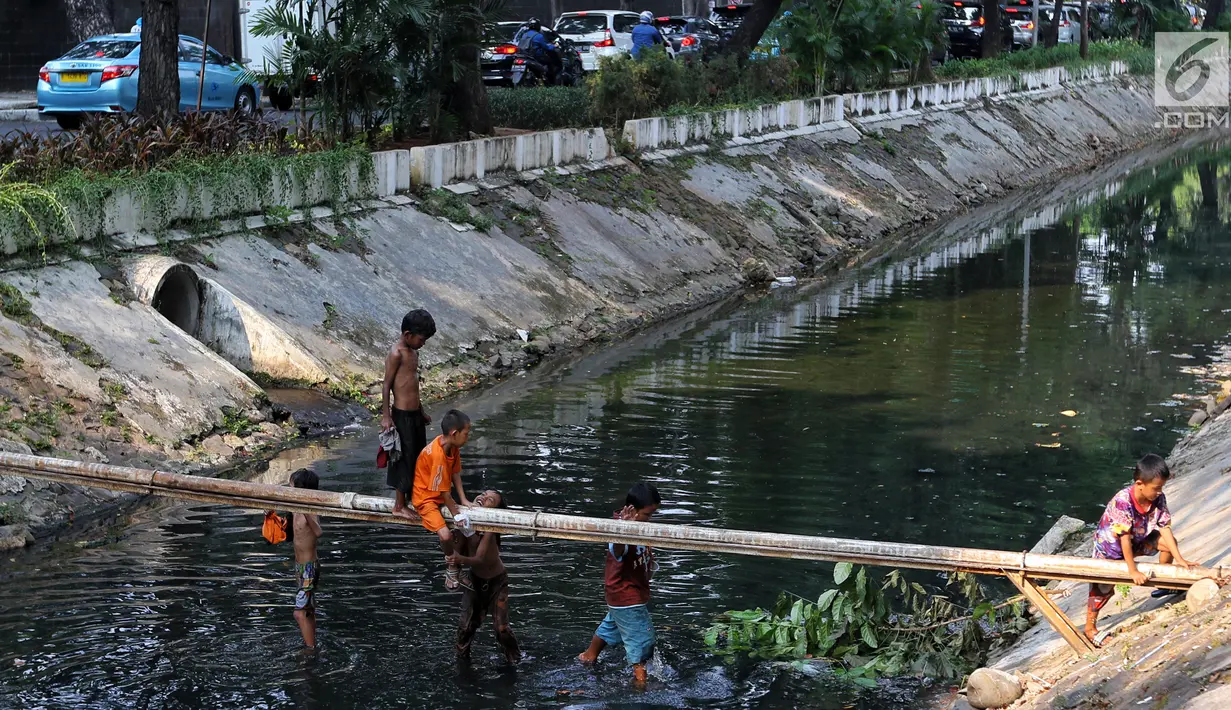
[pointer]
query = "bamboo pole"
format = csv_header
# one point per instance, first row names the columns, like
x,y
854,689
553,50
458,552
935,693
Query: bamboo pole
x,y
1055,616
260,496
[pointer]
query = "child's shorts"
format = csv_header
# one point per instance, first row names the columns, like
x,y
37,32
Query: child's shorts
x,y
307,574
429,512
631,626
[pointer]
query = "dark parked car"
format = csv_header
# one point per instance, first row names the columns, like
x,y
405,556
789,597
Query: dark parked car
x,y
695,36
729,17
498,51
965,22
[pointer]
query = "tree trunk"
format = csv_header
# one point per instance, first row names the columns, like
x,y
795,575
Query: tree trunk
x,y
1085,29
749,33
993,40
467,96
554,9
89,18
158,87
1053,32
626,5
1213,10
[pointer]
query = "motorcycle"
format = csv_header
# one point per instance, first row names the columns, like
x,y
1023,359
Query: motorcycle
x,y
528,71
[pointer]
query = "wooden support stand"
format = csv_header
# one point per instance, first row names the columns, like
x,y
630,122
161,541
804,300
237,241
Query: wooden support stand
x,y
1058,619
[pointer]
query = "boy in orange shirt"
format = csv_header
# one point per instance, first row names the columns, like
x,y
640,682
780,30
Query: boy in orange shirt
x,y
437,471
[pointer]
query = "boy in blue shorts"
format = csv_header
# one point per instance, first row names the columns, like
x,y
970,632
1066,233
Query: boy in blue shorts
x,y
627,581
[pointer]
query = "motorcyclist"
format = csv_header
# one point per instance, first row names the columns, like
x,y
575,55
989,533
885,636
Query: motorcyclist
x,y
532,41
645,34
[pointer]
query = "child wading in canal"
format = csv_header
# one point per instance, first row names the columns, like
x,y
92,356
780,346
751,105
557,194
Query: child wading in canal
x,y
488,588
306,530
1136,523
438,470
405,415
627,581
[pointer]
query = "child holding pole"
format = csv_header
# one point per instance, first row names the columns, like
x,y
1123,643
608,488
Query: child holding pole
x,y
1135,523
627,583
437,472
488,590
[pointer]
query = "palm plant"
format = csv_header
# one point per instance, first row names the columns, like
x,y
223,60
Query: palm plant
x,y
863,41
401,62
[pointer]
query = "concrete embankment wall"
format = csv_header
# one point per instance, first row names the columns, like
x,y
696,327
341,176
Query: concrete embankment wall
x,y
568,258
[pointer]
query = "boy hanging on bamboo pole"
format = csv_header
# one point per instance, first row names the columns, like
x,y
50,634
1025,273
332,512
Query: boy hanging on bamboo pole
x,y
627,582
488,587
306,530
1136,523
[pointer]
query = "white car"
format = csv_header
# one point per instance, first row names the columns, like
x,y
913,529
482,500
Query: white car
x,y
598,33
1070,23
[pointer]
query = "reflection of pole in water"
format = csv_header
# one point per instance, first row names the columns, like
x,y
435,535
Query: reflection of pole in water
x,y
1025,293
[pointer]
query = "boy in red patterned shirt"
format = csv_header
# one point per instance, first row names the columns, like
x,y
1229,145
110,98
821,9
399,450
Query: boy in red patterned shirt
x,y
627,580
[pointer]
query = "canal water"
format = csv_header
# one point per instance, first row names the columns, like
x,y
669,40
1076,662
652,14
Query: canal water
x,y
918,397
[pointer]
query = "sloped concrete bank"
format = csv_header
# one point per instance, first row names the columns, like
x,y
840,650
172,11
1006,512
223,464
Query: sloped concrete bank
x,y
104,357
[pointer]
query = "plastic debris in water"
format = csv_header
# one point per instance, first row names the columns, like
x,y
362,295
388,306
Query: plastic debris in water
x,y
927,470
1054,445
1069,413
1040,424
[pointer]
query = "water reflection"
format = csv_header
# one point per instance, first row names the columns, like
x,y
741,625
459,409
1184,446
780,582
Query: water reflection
x,y
915,399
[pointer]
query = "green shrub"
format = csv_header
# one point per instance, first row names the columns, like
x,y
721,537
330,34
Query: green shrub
x,y
654,85
540,108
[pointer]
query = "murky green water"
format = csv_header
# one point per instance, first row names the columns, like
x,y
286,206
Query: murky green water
x,y
914,399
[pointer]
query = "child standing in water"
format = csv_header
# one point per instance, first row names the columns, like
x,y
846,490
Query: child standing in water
x,y
437,472
405,413
488,589
306,530
627,581
1136,523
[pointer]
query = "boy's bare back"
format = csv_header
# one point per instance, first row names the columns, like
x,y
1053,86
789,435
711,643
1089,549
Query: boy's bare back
x,y
307,531
402,374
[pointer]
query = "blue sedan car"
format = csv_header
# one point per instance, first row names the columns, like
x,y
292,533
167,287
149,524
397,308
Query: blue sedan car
x,y
100,76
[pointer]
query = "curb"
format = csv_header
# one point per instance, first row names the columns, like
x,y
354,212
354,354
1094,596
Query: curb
x,y
19,114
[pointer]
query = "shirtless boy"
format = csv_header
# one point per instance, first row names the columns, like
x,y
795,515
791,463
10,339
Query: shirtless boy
x,y
405,411
488,590
306,529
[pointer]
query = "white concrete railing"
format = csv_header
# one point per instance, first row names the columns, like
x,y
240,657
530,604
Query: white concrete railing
x,y
438,165
811,115
678,131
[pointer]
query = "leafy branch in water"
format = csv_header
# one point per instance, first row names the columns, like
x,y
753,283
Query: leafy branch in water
x,y
871,629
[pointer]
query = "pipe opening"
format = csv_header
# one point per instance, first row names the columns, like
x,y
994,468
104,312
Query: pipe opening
x,y
178,298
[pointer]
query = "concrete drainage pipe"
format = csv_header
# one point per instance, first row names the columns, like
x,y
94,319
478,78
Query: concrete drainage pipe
x,y
170,287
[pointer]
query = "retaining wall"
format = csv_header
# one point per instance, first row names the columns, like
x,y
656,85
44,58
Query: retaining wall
x,y
446,163
813,115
